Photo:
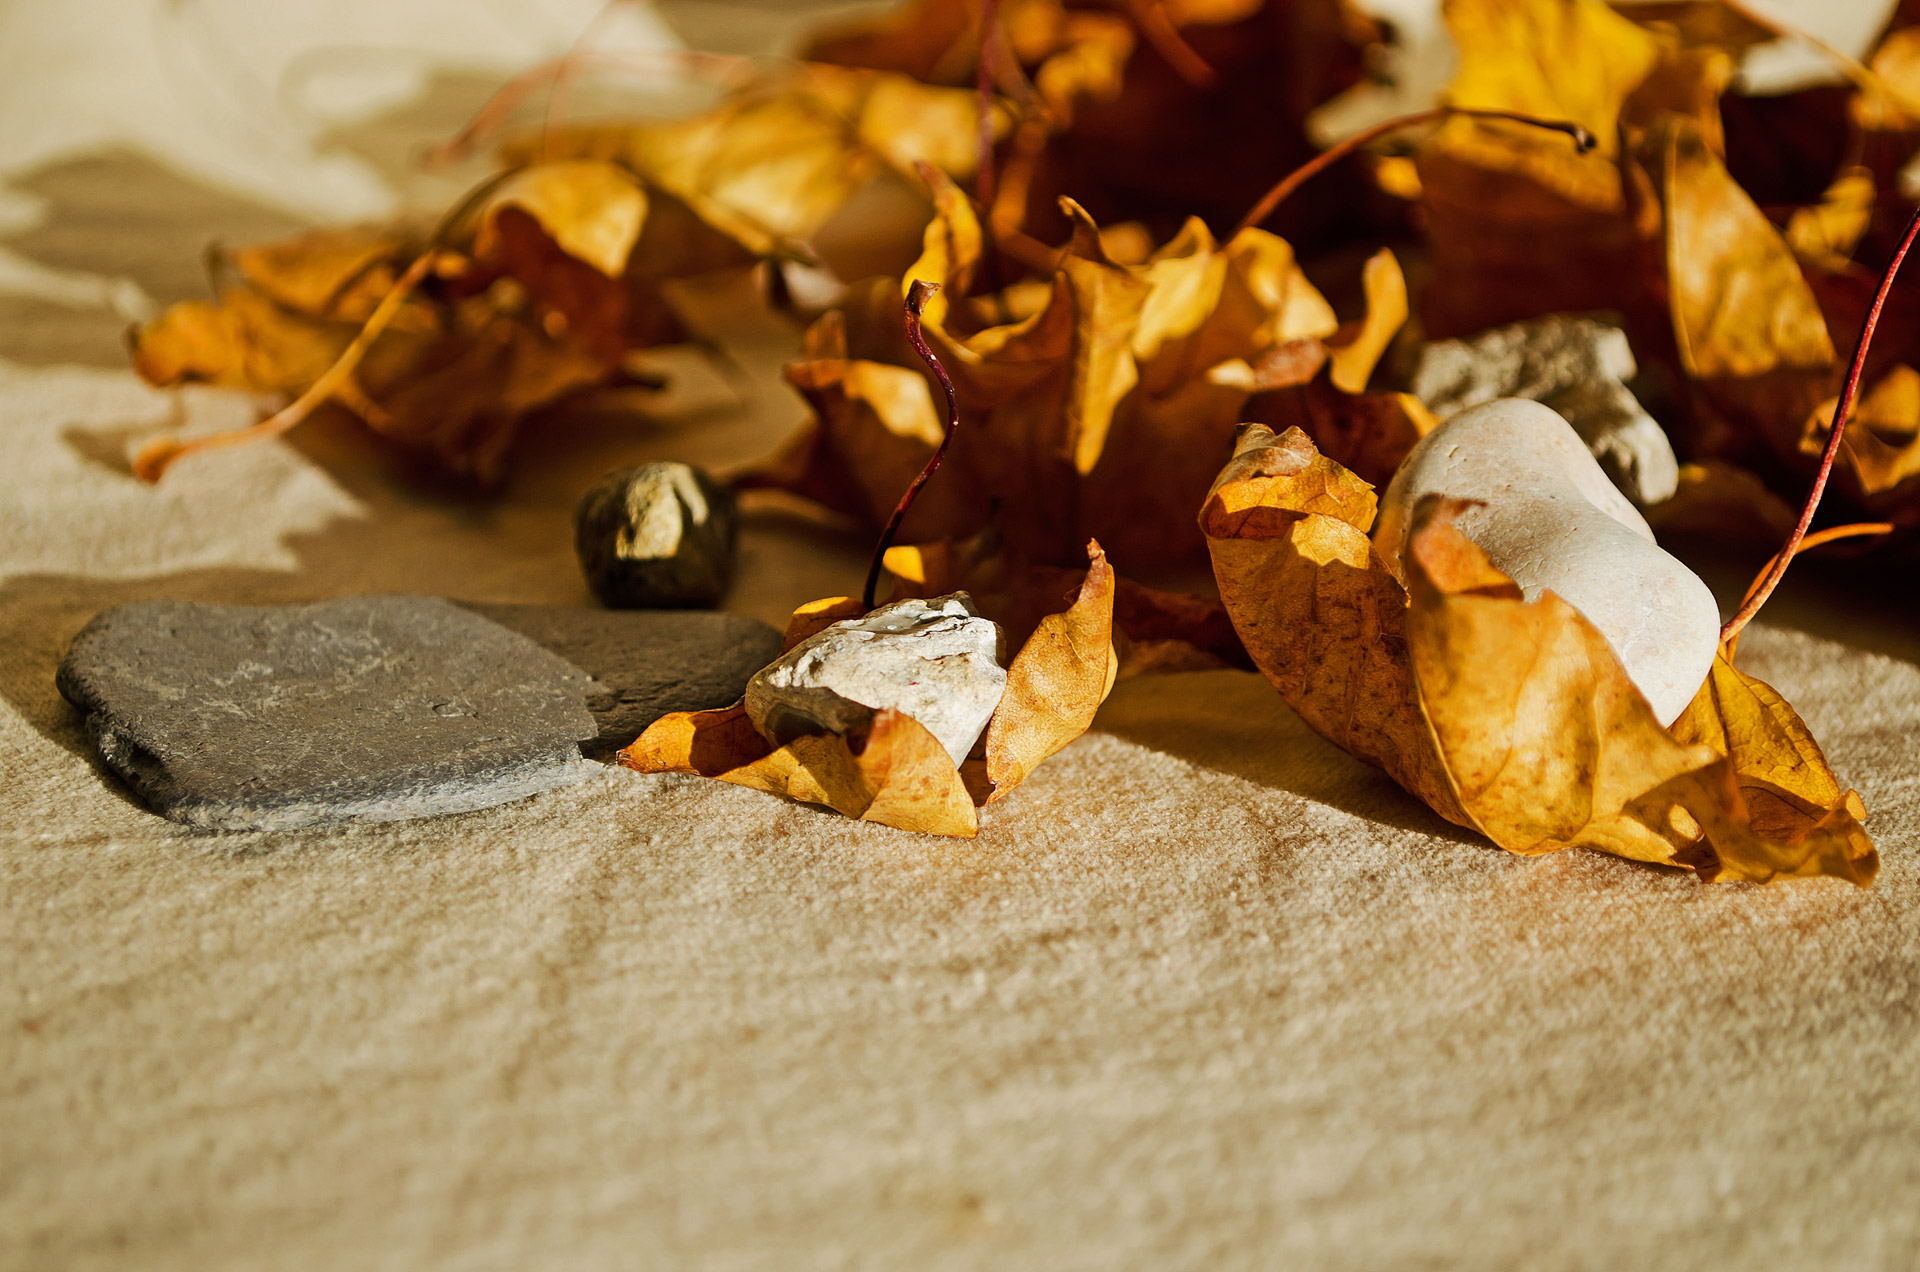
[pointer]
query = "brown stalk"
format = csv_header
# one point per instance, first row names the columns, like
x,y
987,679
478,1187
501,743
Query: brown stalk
x,y
983,90
1770,578
1860,76
1165,37
1819,538
1582,140
917,294
497,109
559,91
162,453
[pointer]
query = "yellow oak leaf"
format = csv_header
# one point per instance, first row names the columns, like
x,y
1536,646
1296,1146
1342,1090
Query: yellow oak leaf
x,y
898,774
1509,717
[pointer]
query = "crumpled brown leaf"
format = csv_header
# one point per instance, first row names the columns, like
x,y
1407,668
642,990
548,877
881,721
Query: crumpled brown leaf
x,y
1367,432
1518,221
1097,407
1739,317
1508,717
1741,306
1154,631
557,276
1522,224
1880,454
1825,234
1136,109
899,775
768,167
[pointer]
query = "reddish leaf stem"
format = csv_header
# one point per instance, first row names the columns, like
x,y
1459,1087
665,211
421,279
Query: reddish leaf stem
x,y
718,68
1172,47
1841,409
1860,76
336,381
1582,140
983,89
559,90
1819,538
160,454
917,295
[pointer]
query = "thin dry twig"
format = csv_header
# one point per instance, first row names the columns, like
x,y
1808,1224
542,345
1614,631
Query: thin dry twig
x,y
162,453
1582,140
1165,37
1771,577
983,90
917,295
153,459
1857,74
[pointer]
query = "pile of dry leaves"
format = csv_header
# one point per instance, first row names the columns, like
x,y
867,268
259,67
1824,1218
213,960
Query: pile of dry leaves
x,y
1149,366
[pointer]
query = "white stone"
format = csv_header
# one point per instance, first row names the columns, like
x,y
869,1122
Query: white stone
x,y
936,660
1579,367
1551,521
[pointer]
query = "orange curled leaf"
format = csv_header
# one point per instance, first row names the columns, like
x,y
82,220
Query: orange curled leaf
x,y
1781,770
1880,453
157,456
338,274
1356,347
708,743
1319,614
816,616
1741,306
899,775
1510,717
1094,404
1056,682
592,210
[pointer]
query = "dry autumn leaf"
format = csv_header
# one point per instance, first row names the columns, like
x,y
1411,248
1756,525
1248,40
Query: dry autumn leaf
x,y
1825,234
1508,717
1136,110
898,774
1518,223
1096,406
1154,631
1519,226
772,164
1741,307
1880,454
539,294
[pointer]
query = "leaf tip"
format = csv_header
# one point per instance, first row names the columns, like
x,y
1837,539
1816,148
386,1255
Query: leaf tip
x,y
919,292
151,461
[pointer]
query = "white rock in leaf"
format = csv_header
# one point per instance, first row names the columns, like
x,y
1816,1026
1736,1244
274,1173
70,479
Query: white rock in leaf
x,y
1551,521
1578,366
936,660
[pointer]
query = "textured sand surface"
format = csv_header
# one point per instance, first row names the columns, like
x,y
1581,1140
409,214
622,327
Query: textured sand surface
x,y
1204,994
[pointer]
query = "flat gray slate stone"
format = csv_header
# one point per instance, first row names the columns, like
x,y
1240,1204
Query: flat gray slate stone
x,y
645,663
383,708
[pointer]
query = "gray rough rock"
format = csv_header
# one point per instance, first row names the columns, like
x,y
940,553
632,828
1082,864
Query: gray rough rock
x,y
1550,520
1577,366
383,708
644,663
660,536
936,660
